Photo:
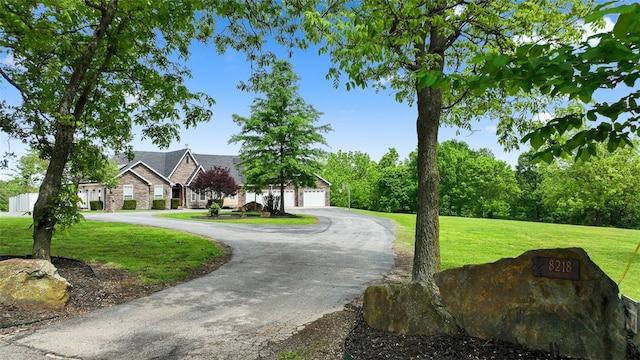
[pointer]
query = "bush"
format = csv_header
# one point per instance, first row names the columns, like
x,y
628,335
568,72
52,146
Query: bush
x,y
214,209
159,204
95,205
129,205
220,202
271,203
175,203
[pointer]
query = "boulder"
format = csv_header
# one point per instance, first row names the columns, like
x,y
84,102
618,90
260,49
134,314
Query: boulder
x,y
407,309
555,300
32,284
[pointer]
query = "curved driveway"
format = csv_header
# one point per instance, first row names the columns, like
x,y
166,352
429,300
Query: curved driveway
x,y
278,279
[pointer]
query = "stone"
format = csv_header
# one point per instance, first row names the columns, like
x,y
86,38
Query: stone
x,y
520,301
632,312
406,309
32,284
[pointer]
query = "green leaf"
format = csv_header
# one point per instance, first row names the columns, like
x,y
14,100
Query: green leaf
x,y
621,29
536,140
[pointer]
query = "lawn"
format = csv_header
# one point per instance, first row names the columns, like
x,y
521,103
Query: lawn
x,y
155,255
474,241
252,218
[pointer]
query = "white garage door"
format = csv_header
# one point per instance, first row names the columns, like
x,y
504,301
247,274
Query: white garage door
x,y
289,198
255,197
313,197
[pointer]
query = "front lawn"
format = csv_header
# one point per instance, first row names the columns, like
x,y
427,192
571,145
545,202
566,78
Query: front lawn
x,y
474,241
155,255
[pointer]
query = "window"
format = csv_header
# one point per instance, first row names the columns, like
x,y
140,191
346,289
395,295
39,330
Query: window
x,y
193,195
127,191
158,192
203,196
232,197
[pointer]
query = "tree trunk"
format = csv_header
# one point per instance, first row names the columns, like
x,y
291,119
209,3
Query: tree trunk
x,y
426,259
45,208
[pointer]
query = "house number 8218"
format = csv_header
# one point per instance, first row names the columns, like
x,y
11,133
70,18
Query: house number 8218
x,y
562,266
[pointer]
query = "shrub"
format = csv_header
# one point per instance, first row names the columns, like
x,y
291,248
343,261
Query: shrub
x,y
95,205
159,204
220,202
129,205
214,209
175,203
271,203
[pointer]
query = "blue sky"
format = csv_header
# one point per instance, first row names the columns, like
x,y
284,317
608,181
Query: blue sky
x,y
362,120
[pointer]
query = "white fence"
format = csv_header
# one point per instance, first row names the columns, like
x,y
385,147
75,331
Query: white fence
x,y
22,202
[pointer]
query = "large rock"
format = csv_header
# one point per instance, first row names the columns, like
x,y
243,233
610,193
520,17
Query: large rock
x,y
32,284
406,309
556,300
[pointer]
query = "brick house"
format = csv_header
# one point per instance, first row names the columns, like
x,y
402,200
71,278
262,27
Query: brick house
x,y
166,175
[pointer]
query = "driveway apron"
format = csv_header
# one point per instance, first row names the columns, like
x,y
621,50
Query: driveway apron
x,y
278,279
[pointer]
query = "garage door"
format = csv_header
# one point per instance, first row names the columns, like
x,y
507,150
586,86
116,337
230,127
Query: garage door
x,y
313,198
289,198
255,197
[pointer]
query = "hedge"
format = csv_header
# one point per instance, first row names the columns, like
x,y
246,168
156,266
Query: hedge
x,y
159,204
95,205
175,203
129,205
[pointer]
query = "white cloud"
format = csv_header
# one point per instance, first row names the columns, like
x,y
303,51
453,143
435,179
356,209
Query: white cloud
x,y
587,31
544,116
491,128
130,99
10,61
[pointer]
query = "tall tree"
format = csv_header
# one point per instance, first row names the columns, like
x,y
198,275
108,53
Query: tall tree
x,y
602,190
381,41
76,64
353,176
278,138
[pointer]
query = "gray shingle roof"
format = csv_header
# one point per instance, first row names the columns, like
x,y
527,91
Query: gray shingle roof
x,y
165,162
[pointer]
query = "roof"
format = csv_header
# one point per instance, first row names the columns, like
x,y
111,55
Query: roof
x,y
165,163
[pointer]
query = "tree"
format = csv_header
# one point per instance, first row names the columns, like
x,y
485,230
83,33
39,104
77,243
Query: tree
x,y
602,190
473,183
76,64
30,171
606,60
277,139
395,189
529,206
216,181
351,174
410,45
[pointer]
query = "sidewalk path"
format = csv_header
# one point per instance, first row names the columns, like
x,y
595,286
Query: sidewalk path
x,y
278,280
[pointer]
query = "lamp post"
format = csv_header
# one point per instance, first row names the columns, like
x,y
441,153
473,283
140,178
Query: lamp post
x,y
348,187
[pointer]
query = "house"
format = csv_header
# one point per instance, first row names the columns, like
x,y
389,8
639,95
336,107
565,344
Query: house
x,y
153,175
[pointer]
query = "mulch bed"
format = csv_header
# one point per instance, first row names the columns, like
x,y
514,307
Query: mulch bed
x,y
364,342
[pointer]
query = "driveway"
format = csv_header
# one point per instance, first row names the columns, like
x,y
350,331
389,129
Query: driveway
x,y
278,279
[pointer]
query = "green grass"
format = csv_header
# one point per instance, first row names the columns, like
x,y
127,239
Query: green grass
x,y
298,220
474,241
155,255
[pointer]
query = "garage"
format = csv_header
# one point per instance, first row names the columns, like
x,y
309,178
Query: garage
x,y
251,196
289,198
314,198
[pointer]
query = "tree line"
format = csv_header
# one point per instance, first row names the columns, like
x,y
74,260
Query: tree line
x,y
603,190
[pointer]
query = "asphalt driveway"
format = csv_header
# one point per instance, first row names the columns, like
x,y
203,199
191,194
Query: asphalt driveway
x,y
278,280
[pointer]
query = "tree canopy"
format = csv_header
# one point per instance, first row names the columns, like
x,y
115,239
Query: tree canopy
x,y
88,71
279,139
216,181
410,46
575,71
